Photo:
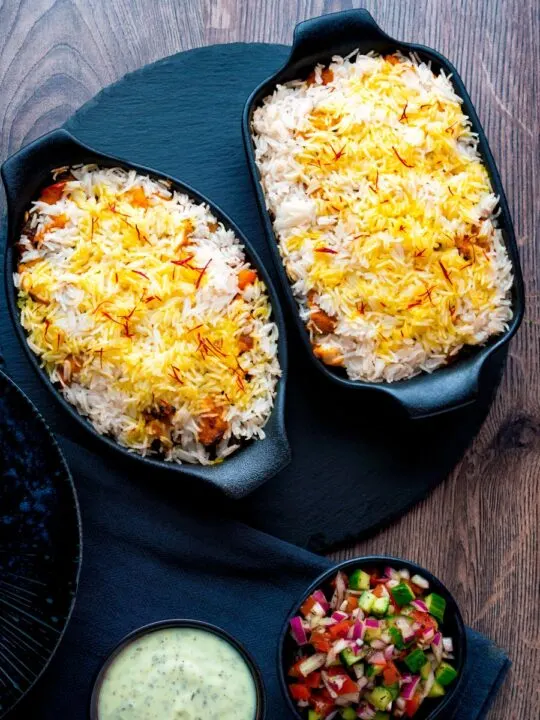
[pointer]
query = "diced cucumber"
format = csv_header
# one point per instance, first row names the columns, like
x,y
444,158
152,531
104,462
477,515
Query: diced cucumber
x,y
436,606
359,580
381,716
380,698
312,715
425,670
397,638
380,606
394,690
415,660
372,634
437,690
402,594
349,658
373,670
367,598
348,714
445,674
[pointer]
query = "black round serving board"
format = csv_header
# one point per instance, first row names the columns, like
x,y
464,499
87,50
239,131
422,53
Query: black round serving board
x,y
40,545
357,463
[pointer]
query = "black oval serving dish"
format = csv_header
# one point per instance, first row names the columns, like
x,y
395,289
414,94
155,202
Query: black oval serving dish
x,y
40,545
197,624
316,41
454,627
24,174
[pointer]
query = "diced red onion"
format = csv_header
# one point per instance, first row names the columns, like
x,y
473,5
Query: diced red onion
x,y
392,583
428,635
420,605
318,609
436,646
372,623
405,628
338,615
298,631
320,597
429,683
336,648
406,678
390,573
420,582
401,703
389,652
405,574
358,670
377,658
365,712
408,689
328,684
339,593
448,644
312,663
378,644
358,630
399,713
348,699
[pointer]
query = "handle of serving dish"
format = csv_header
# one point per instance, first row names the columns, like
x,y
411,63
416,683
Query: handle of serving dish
x,y
446,389
24,172
343,32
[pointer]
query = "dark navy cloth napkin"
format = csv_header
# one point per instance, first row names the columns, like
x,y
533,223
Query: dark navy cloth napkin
x,y
148,556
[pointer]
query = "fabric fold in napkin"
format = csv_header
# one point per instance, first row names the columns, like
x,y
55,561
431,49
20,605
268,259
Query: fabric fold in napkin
x,y
146,558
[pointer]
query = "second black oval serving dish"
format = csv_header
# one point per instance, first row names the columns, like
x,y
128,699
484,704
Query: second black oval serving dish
x,y
453,626
317,41
29,170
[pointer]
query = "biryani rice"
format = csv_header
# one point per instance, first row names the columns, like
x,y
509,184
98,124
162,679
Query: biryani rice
x,y
384,214
145,311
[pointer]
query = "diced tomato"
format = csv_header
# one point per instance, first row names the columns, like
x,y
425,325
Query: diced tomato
x,y
390,674
246,277
295,669
322,703
412,706
340,629
308,606
52,193
352,603
349,686
321,641
313,680
426,621
374,577
378,591
335,671
299,692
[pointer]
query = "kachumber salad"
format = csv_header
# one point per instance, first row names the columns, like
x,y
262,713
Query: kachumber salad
x,y
384,214
372,650
144,309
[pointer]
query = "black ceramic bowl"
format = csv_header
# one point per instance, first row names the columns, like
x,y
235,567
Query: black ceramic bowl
x,y
197,624
24,174
316,41
453,627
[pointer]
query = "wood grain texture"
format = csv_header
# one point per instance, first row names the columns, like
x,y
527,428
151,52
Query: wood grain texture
x,y
478,531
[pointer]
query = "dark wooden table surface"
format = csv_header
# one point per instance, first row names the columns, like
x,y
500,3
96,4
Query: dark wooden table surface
x,y
479,530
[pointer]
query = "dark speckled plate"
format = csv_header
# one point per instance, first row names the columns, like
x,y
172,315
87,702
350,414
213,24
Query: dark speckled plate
x,y
40,544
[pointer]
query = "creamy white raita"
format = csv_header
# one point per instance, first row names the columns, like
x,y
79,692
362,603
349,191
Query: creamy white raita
x,y
178,674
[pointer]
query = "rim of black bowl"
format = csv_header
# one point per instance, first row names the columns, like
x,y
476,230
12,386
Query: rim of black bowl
x,y
376,560
260,711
